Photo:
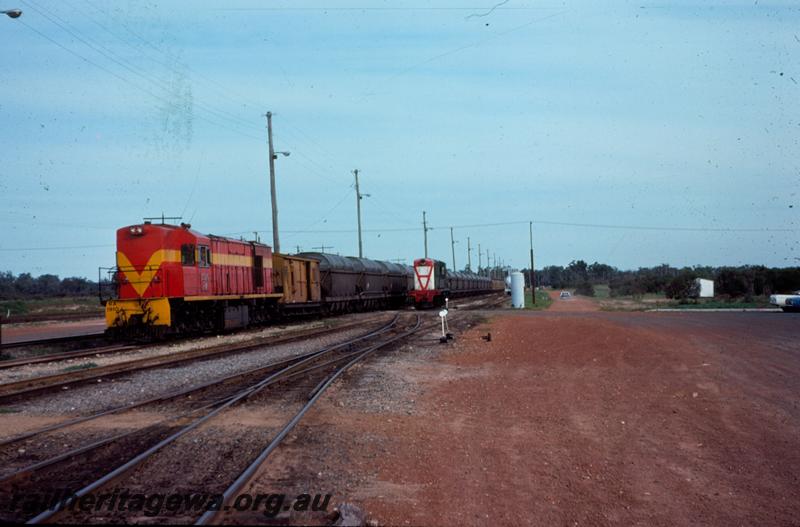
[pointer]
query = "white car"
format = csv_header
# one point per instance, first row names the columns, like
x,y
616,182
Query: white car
x,y
565,294
786,302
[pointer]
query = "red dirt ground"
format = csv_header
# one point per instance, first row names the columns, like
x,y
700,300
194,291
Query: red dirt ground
x,y
573,303
588,418
48,330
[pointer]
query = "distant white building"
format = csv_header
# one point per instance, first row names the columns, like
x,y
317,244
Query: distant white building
x,y
702,288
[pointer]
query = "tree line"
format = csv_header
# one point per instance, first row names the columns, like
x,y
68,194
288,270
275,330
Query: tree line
x,y
744,281
45,286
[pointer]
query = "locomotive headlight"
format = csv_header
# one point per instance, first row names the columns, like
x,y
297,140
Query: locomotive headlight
x,y
136,230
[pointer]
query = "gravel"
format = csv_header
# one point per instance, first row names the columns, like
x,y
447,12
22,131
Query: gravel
x,y
93,397
50,368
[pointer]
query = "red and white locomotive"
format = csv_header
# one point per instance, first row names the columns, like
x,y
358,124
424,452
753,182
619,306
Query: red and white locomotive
x,y
433,283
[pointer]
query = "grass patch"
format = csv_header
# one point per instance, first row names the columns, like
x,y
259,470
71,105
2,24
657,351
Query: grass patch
x,y
78,367
15,307
55,305
543,300
657,301
602,291
723,304
8,411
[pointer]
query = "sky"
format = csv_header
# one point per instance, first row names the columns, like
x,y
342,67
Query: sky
x,y
630,133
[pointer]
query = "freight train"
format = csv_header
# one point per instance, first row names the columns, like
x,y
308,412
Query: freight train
x,y
170,279
433,283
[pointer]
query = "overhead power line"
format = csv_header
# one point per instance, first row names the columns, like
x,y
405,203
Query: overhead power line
x,y
111,56
465,226
229,121
128,81
546,222
629,227
223,93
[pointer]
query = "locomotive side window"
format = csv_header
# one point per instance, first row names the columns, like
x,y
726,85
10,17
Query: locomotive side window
x,y
205,256
187,254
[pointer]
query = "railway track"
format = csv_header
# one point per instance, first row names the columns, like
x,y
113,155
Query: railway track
x,y
170,395
78,468
52,341
457,303
481,303
303,378
64,355
48,317
484,302
12,390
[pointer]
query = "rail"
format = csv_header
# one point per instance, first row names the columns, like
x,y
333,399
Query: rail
x,y
294,369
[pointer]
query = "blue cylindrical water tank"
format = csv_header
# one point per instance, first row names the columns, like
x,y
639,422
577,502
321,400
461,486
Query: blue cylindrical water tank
x,y
517,290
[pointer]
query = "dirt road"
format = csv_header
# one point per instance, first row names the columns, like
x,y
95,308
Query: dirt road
x,y
55,329
568,419
572,303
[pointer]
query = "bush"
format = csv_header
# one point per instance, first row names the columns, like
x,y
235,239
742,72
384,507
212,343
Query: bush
x,y
45,286
680,287
585,289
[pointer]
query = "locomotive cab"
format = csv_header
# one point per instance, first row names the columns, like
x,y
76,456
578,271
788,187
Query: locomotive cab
x,y
431,283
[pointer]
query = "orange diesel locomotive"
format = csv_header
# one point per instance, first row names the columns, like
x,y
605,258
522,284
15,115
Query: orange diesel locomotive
x,y
172,279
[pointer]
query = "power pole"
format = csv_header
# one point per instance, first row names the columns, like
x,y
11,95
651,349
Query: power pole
x,y
469,255
276,244
298,250
532,273
359,196
425,230
453,248
322,249
480,254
